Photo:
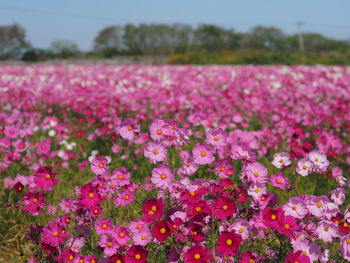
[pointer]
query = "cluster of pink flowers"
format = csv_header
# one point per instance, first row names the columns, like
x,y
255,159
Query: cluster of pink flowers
x,y
252,167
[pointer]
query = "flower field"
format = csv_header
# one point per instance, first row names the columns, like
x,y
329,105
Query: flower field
x,y
187,164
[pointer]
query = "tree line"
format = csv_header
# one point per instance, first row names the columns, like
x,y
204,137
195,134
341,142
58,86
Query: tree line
x,y
167,39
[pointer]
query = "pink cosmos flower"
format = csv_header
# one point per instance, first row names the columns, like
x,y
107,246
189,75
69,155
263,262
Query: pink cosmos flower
x,y
326,231
203,154
124,198
197,254
34,203
224,208
11,132
44,178
304,166
138,226
223,168
53,234
142,238
76,243
280,181
156,152
20,145
281,160
228,243
338,196
242,227
319,160
159,129
295,207
68,205
128,129
189,167
103,226
109,245
216,137
120,177
44,147
162,176
121,234
99,165
345,247
256,172
239,151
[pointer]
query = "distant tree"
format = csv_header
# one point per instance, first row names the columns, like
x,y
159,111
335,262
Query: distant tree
x,y
133,39
12,41
212,38
64,48
109,37
266,38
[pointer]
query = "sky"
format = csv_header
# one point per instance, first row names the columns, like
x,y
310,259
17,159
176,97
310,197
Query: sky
x,y
81,20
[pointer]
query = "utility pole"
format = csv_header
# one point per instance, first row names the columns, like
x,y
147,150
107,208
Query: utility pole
x,y
301,37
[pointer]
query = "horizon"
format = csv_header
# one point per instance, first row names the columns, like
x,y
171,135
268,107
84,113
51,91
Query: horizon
x,y
80,22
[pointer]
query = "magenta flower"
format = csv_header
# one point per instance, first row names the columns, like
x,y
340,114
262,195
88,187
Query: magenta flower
x,y
11,132
89,197
297,256
239,151
34,203
216,137
103,226
20,146
203,154
99,165
128,129
44,178
189,167
53,234
162,176
156,152
280,181
44,147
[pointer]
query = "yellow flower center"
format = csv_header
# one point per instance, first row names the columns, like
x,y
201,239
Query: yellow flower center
x,y
304,167
101,165
120,177
203,154
241,230
137,256
121,234
278,181
197,256
273,217
294,207
154,208
55,234
256,174
47,176
162,230
348,241
71,257
159,132
130,127
91,195
216,138
155,151
257,190
35,200
104,226
143,237
319,204
198,209
326,228
286,226
229,242
126,197
225,207
163,176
